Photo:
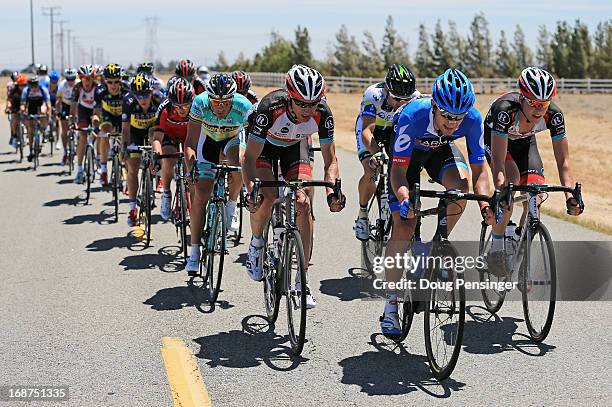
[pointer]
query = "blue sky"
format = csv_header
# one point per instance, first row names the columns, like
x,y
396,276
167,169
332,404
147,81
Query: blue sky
x,y
200,29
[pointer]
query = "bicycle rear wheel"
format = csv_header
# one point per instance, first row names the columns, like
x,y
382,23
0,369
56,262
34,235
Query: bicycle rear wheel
x,y
271,284
181,220
538,282
444,315
20,142
215,249
116,176
378,233
493,299
293,265
36,150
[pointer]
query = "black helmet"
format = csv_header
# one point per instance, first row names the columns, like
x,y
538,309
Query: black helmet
x,y
14,75
221,86
145,67
140,84
112,71
400,81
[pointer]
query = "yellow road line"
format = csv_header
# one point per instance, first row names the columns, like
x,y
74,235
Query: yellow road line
x,y
186,384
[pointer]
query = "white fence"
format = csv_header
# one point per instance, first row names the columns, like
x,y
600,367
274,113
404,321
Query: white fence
x,y
481,85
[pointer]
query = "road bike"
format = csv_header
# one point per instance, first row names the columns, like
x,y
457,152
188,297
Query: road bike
x,y
89,163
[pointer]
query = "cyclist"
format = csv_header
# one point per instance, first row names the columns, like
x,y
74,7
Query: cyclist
x,y
149,69
203,73
126,79
375,125
13,104
43,77
216,118
243,84
11,82
34,100
83,110
280,128
65,100
138,116
511,125
184,69
425,130
109,104
170,130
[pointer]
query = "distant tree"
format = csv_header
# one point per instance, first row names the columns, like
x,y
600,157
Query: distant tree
x,y
544,57
524,56
277,56
602,53
457,45
242,63
505,60
394,48
347,55
424,57
371,65
301,47
479,48
221,65
560,45
580,51
441,56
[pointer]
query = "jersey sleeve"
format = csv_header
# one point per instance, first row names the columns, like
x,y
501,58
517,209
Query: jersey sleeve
x,y
475,139
368,107
556,123
326,124
160,117
403,143
127,109
261,122
45,93
98,97
500,119
24,94
196,114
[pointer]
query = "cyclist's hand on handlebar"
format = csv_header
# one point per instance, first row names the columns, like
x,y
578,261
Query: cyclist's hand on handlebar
x,y
406,211
572,207
335,204
376,160
487,215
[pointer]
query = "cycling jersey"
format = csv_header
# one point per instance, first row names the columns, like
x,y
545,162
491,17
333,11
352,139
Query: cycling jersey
x,y
272,122
219,128
84,97
502,119
415,131
14,96
110,105
374,104
44,81
34,98
140,120
66,92
173,125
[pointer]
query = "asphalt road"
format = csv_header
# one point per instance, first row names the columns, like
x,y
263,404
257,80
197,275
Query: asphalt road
x,y
84,305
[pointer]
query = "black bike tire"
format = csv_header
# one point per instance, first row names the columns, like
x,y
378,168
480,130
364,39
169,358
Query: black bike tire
x,y
182,203
116,178
148,197
372,240
219,234
443,372
88,168
492,307
36,142
533,333
271,283
292,240
20,143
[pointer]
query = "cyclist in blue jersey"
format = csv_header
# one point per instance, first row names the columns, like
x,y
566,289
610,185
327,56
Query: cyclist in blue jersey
x,y
216,118
425,131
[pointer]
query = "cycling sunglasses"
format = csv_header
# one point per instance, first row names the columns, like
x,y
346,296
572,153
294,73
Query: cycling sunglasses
x,y
115,82
538,104
221,102
142,96
452,117
305,105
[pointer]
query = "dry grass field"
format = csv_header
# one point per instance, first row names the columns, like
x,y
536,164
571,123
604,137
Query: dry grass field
x,y
589,124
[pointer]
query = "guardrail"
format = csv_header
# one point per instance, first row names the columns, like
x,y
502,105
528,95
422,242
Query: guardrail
x,y
481,85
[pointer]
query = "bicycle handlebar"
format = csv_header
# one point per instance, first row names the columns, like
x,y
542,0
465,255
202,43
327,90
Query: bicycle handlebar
x,y
295,184
506,196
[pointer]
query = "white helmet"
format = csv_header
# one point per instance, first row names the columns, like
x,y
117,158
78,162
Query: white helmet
x,y
537,84
305,84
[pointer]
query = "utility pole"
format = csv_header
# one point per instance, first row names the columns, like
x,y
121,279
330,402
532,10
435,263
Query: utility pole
x,y
68,46
51,11
32,30
61,37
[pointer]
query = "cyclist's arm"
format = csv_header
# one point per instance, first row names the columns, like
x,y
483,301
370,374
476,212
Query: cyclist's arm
x,y
251,154
125,133
561,150
368,123
191,143
330,163
476,156
499,149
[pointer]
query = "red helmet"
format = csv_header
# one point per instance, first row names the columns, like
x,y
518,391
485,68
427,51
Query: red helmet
x,y
21,80
537,84
305,84
185,69
243,81
181,92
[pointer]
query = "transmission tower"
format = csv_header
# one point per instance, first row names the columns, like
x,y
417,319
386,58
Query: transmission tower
x,y
151,50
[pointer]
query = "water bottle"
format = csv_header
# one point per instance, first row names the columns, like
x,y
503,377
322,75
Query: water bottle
x,y
277,232
510,238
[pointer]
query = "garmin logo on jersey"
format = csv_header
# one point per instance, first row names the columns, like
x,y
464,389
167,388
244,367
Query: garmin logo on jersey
x,y
329,123
262,120
402,142
557,119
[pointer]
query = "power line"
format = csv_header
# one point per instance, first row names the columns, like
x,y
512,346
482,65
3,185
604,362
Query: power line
x,y
51,12
151,52
32,30
61,38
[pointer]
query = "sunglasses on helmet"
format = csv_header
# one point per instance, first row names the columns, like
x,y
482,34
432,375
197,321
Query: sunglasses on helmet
x,y
142,96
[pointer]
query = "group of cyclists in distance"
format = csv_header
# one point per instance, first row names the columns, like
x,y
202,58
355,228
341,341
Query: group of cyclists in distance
x,y
219,118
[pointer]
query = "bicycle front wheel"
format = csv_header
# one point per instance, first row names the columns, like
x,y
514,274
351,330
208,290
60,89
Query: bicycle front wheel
x,y
493,299
116,177
215,250
379,223
270,275
293,265
182,215
444,314
36,148
89,171
538,282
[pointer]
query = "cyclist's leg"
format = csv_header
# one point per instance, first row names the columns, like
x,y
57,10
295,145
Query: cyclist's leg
x,y
529,164
83,120
168,146
366,185
231,153
104,146
65,112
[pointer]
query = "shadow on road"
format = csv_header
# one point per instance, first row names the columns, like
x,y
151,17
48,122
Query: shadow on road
x,y
254,345
51,165
165,260
487,333
349,288
63,201
50,174
100,218
22,169
391,370
128,242
176,298
65,181
8,161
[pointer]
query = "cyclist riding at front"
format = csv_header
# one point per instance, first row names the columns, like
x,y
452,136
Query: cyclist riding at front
x,y
139,110
65,100
34,100
280,129
511,125
109,105
425,131
185,69
216,118
149,69
375,125
83,110
13,104
169,131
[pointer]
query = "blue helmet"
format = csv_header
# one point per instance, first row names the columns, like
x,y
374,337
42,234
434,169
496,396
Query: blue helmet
x,y
452,91
54,76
